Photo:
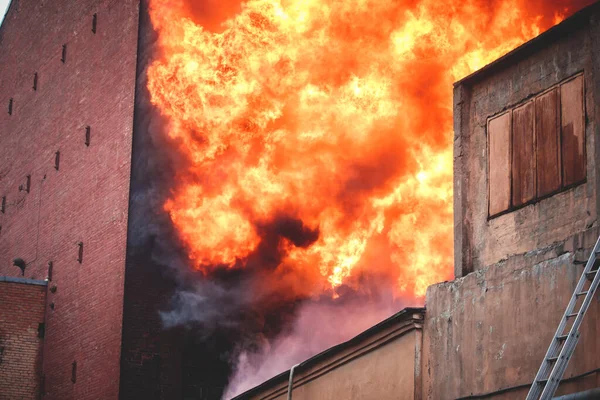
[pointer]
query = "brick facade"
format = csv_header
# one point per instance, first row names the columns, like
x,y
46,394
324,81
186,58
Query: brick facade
x,y
83,199
22,305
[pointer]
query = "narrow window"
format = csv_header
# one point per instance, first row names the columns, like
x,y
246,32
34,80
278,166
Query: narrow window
x,y
3,205
572,132
80,252
94,22
27,186
547,143
74,371
50,270
10,106
35,81
499,163
57,160
88,135
41,330
63,58
523,155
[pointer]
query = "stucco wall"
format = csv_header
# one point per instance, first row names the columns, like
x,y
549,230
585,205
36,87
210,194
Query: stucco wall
x,y
385,365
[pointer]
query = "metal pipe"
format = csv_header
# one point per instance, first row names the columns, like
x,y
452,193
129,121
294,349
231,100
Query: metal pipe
x,y
291,382
585,395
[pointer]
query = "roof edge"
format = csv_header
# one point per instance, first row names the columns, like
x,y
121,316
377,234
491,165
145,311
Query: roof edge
x,y
405,314
27,281
574,22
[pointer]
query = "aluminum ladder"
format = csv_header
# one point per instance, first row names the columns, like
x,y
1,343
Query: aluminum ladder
x,y
564,341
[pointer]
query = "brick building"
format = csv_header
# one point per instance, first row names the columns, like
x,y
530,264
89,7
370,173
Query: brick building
x,y
74,184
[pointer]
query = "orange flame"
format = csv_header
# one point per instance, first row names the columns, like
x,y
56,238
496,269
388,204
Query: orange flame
x,y
334,113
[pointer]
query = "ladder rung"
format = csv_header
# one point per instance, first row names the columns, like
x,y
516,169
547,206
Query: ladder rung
x,y
552,359
591,273
572,315
561,338
542,381
582,293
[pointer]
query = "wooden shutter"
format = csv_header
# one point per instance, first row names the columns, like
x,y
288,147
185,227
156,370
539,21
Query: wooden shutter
x,y
499,163
572,131
523,155
547,143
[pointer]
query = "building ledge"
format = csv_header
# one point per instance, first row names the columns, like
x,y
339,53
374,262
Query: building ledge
x,y
26,281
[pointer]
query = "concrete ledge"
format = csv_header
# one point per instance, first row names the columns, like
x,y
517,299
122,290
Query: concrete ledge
x,y
26,281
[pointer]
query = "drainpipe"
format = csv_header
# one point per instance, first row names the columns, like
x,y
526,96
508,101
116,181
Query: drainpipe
x,y
291,382
586,395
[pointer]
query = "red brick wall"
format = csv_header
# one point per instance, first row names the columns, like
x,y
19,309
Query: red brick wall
x,y
21,311
86,199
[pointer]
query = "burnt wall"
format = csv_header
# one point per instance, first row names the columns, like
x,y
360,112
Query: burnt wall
x,y
63,70
22,306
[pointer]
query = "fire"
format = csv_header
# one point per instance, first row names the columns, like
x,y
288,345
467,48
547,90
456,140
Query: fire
x,y
325,126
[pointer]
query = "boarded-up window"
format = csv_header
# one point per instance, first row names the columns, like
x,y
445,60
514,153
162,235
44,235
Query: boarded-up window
x,y
499,163
523,155
547,143
537,148
572,131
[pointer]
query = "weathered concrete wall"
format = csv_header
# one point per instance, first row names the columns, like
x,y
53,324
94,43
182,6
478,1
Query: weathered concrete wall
x,y
386,365
489,331
480,241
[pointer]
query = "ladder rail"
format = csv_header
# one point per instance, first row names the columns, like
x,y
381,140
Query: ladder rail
x,y
562,363
555,372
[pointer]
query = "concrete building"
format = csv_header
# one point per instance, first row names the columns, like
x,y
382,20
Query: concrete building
x,y
526,212
78,306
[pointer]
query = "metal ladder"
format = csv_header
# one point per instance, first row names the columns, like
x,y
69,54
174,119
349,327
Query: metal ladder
x,y
563,344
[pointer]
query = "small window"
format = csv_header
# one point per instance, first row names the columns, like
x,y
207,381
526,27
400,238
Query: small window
x,y
35,81
10,106
88,135
94,22
537,148
63,57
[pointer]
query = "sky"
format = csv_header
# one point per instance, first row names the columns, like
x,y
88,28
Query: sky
x,y
3,7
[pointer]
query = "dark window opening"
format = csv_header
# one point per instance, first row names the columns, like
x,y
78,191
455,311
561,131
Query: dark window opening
x,y
27,186
41,330
10,106
88,135
74,372
50,270
94,22
63,58
35,81
57,160
3,205
80,252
